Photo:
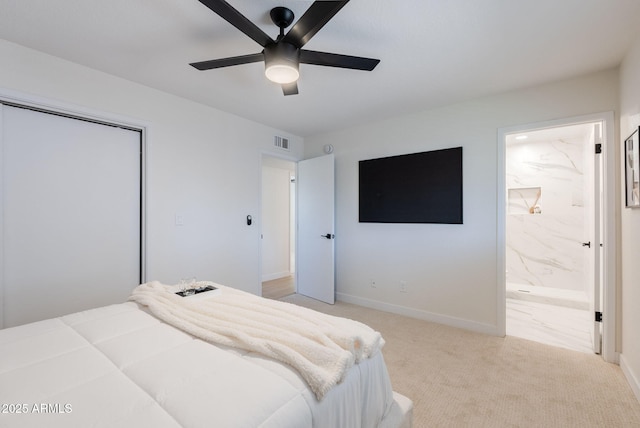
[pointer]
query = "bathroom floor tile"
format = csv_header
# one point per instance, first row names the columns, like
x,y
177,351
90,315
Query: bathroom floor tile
x,y
553,325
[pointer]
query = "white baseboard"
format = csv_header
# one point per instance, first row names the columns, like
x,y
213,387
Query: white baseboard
x,y
419,314
276,275
632,377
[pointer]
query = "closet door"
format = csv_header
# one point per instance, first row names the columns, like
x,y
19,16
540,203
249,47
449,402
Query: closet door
x,y
71,220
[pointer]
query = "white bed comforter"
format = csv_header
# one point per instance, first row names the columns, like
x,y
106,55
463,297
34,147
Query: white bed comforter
x,y
319,346
119,366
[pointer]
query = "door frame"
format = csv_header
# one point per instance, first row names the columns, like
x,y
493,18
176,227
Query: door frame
x,y
16,98
609,353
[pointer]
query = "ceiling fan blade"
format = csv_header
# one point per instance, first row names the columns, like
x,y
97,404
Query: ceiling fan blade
x,y
290,88
337,60
227,62
238,20
318,14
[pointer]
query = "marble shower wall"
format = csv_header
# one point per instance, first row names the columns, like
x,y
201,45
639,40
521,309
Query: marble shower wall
x,y
546,214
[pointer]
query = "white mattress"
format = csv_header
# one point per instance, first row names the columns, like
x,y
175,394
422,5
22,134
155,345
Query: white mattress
x,y
120,366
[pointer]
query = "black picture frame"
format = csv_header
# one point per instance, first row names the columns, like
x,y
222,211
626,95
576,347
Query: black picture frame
x,y
631,153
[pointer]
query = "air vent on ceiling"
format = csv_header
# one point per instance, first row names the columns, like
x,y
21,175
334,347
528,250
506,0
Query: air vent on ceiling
x,y
281,142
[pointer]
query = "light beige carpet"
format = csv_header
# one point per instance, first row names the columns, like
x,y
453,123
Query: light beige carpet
x,y
458,378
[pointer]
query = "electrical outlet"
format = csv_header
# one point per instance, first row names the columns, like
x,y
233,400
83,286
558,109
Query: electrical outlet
x,y
403,286
372,282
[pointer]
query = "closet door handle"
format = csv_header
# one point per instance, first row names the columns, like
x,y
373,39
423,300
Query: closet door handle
x,y
586,244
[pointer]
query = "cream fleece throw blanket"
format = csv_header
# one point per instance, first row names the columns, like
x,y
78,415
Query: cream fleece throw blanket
x,y
319,346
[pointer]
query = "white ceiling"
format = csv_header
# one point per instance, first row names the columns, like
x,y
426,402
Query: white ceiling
x,y
432,52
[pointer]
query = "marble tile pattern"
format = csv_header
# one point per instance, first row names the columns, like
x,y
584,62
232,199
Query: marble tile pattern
x,y
546,213
576,299
559,326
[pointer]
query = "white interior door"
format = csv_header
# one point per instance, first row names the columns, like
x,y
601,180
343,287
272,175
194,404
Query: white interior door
x,y
597,253
315,261
71,225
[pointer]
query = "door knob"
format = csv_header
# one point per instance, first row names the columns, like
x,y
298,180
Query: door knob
x,y
328,236
586,244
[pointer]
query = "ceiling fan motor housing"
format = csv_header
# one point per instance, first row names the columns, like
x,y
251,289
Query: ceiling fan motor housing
x,y
282,55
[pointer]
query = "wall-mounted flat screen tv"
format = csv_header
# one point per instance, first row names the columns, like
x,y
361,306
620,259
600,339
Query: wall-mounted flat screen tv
x,y
421,187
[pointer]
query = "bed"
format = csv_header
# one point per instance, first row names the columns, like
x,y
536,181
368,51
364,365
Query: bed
x,y
124,366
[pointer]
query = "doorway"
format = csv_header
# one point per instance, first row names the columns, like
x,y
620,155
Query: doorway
x,y
555,229
278,227
550,223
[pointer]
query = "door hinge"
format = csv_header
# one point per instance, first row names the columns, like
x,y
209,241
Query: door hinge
x,y
598,148
598,316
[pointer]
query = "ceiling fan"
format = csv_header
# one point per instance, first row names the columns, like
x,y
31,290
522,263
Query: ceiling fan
x,y
283,55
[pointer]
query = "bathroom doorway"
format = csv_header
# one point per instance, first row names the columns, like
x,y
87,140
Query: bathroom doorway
x,y
554,224
550,180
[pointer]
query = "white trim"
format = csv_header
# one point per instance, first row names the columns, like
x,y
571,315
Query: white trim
x,y
610,243
145,131
2,193
632,378
277,275
29,100
278,155
609,288
488,329
501,243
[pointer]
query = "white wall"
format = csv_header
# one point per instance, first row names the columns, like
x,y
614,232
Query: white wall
x,y
544,248
450,270
203,164
630,225
276,221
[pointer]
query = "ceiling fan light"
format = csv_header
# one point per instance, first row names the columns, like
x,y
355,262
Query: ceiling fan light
x,y
281,73
281,62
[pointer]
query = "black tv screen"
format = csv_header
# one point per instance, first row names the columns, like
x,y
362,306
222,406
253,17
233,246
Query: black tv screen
x,y
421,187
